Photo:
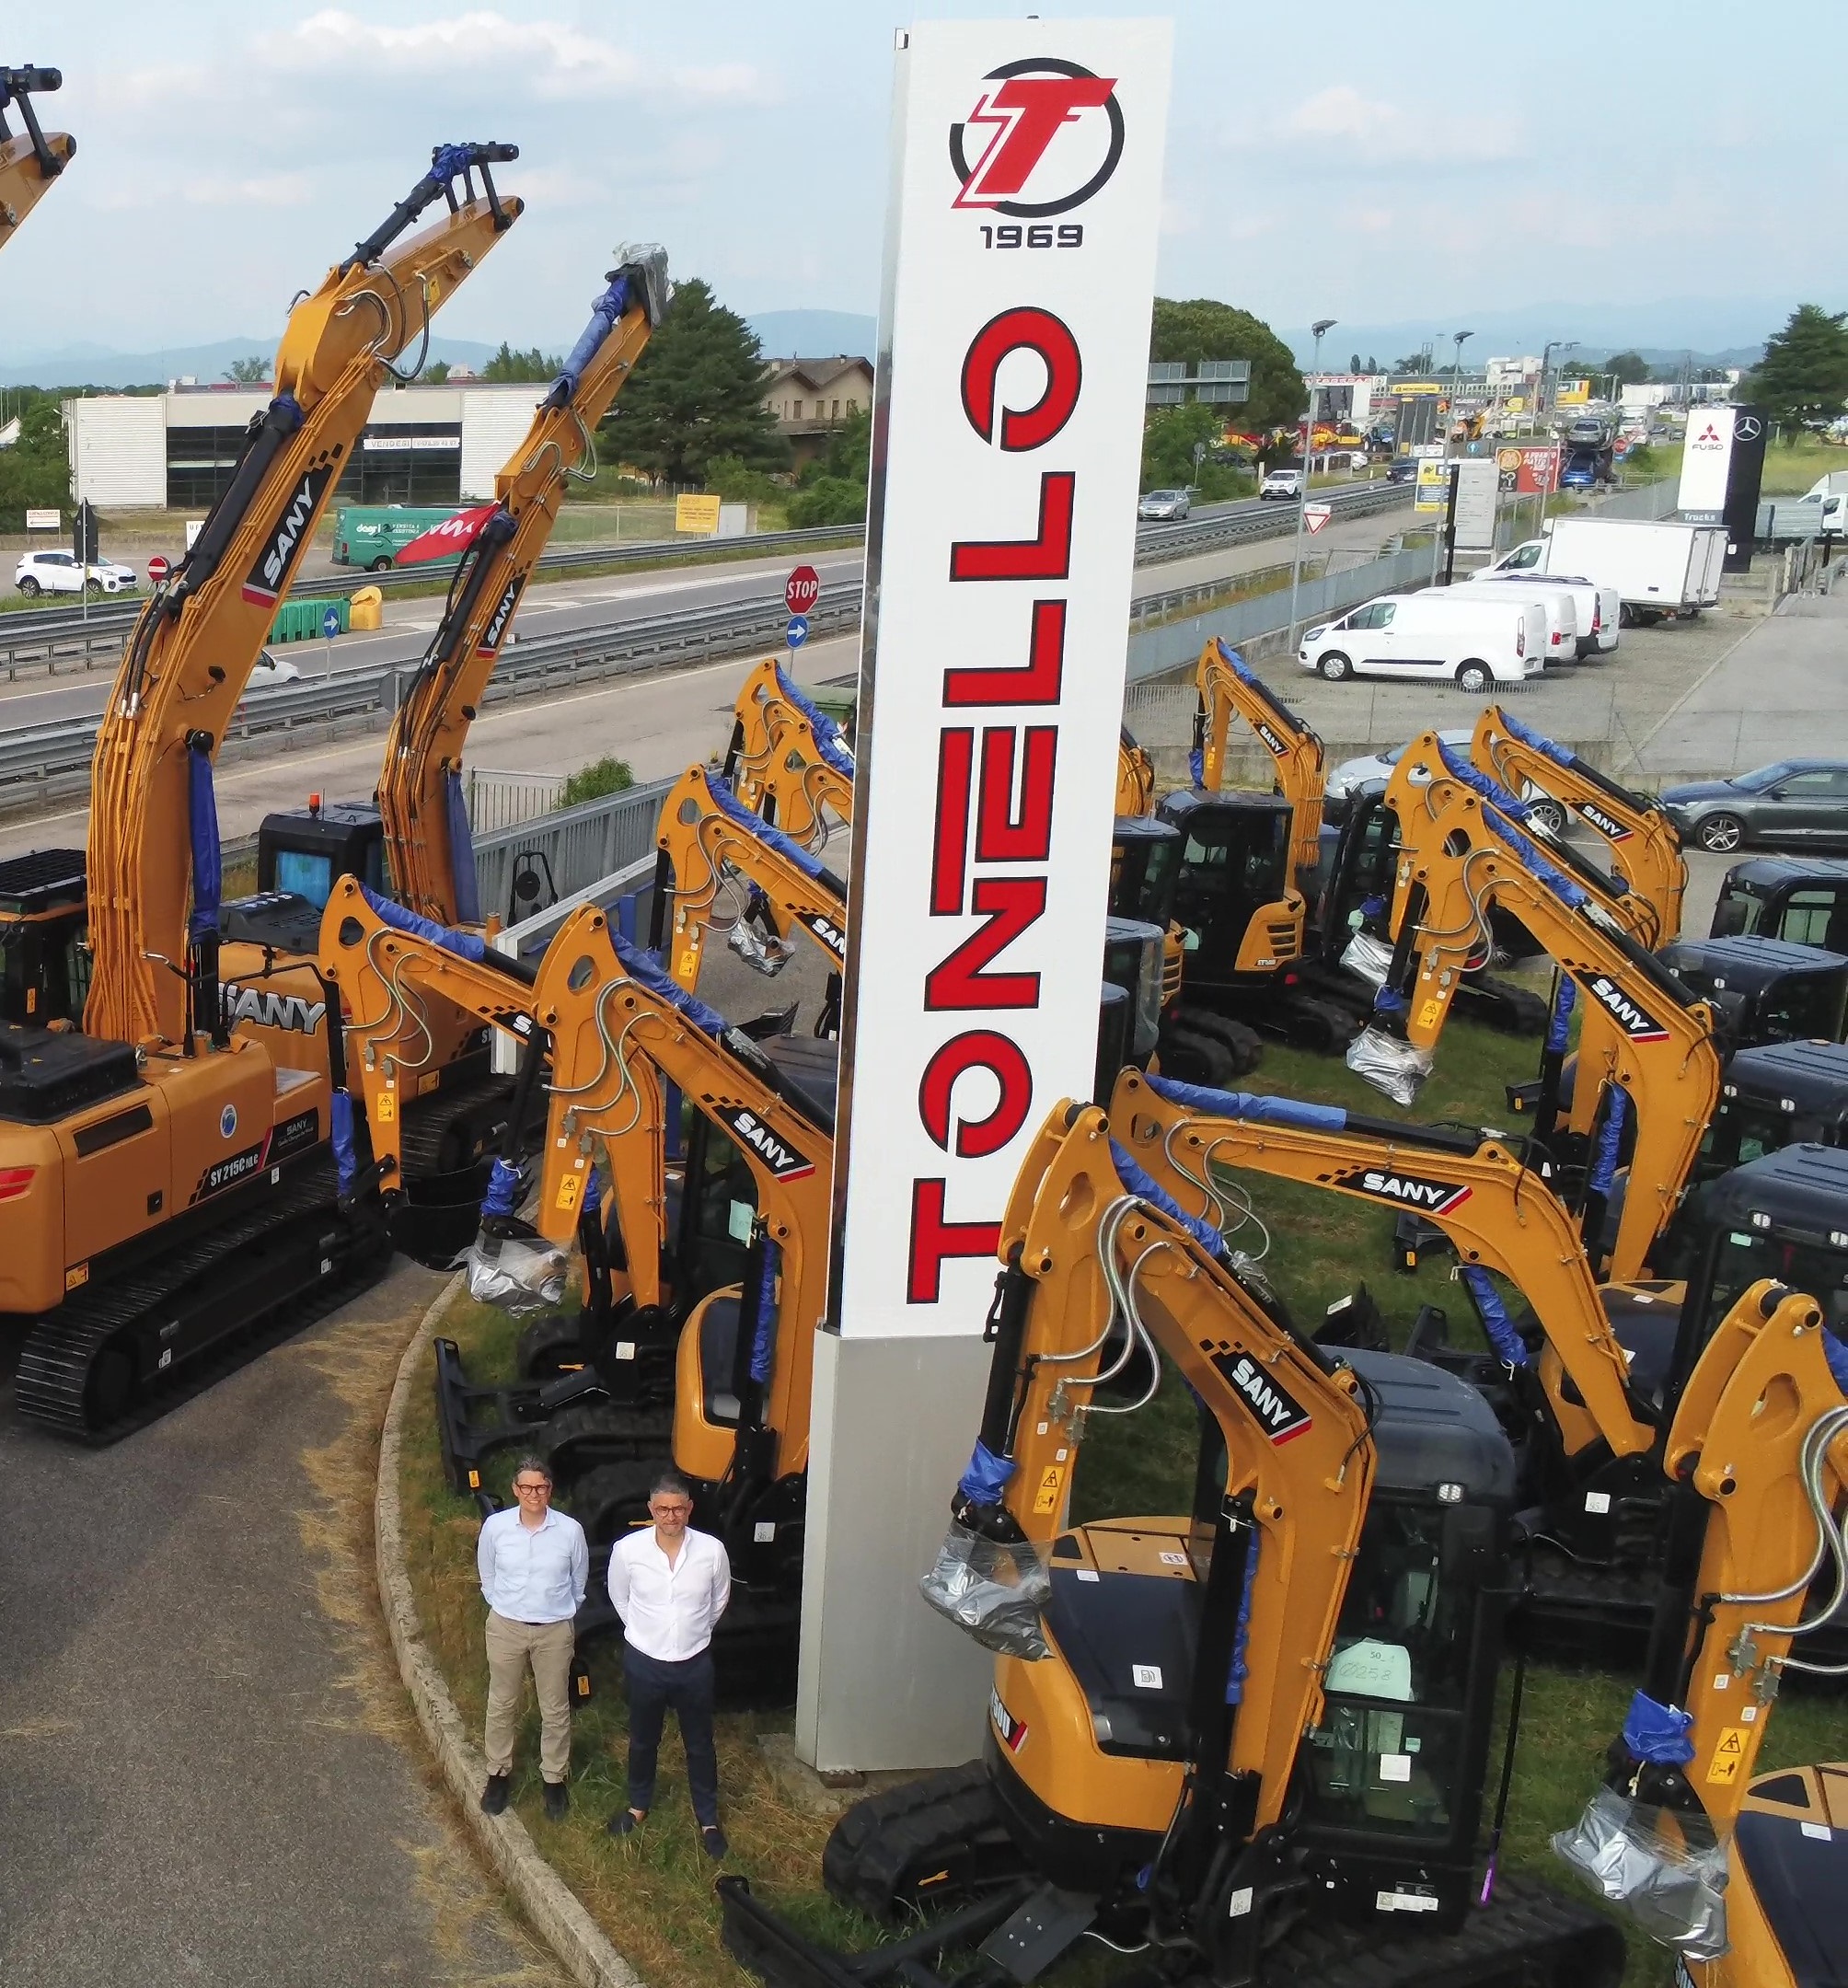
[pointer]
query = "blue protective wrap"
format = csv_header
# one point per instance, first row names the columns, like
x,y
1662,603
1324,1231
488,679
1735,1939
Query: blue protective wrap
x,y
1240,1669
986,1477
1196,767
339,1129
1610,1137
201,820
1158,1197
1501,815
1503,1336
1657,1733
462,888
642,966
729,804
1373,908
593,1189
828,740
1551,748
604,315
1250,1106
1491,790
1559,1023
764,1324
504,1189
1836,1354
464,945
1388,1002
288,410
451,161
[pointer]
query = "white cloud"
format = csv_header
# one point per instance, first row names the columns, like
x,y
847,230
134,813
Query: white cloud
x,y
1339,117
266,189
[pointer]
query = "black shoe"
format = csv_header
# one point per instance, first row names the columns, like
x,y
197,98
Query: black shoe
x,y
625,1823
558,1801
494,1796
713,1837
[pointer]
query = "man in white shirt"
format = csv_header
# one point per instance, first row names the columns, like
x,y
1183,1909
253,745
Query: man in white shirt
x,y
670,1584
534,1565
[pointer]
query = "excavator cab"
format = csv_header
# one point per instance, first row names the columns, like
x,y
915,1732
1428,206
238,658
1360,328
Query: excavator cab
x,y
301,854
44,943
1764,990
1232,887
1801,899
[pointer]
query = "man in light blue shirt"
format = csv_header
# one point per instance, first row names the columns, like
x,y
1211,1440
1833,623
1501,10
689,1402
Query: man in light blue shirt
x,y
533,1566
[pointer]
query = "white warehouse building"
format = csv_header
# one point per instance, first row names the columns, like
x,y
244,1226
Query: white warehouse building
x,y
424,445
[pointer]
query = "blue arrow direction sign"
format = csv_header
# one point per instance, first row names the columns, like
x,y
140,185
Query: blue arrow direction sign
x,y
797,633
330,623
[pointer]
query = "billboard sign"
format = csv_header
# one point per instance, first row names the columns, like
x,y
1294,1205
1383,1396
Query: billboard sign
x,y
1745,475
1008,436
696,513
1707,461
1432,491
1478,484
1529,472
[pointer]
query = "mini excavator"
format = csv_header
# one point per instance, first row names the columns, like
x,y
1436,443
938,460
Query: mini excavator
x,y
168,1199
787,759
1252,1742
31,159
414,838
1230,687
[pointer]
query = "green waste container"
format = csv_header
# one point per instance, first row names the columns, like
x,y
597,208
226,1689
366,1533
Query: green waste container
x,y
301,620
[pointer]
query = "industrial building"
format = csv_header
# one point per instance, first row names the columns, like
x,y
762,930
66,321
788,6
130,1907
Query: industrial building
x,y
425,444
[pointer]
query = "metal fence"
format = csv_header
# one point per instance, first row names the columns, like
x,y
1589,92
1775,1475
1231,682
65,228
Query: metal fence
x,y
565,851
504,799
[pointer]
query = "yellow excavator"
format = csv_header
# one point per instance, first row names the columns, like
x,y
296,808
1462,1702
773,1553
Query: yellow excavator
x,y
788,759
31,159
168,1196
1230,687
413,838
1254,1738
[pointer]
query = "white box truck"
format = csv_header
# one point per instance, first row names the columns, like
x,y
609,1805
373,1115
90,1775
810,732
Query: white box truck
x,y
1657,570
1823,509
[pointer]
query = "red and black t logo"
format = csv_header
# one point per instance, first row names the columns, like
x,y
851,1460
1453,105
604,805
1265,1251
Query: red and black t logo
x,y
1046,135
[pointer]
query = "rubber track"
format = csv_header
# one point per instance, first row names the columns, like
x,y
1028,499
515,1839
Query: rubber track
x,y
879,1839
51,1384
427,1122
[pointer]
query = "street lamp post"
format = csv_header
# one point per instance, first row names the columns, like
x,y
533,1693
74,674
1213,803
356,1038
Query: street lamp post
x,y
1319,329
1457,363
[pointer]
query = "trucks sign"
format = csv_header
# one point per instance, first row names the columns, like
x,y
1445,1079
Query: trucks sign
x,y
1012,370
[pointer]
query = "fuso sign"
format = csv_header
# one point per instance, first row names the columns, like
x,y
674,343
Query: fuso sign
x,y
1013,367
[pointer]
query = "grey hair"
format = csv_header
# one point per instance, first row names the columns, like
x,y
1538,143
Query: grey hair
x,y
537,1465
673,1483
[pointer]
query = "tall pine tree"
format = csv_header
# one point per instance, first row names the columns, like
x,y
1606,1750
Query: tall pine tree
x,y
698,393
1804,375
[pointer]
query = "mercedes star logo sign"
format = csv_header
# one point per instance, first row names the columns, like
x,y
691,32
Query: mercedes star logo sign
x,y
1747,427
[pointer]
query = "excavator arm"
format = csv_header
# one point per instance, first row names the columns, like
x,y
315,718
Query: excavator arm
x,y
420,792
31,159
1460,854
1091,1244
190,657
787,760
1230,687
1134,776
708,840
1499,1215
1642,840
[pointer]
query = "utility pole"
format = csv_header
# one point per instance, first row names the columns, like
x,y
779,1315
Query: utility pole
x,y
1320,330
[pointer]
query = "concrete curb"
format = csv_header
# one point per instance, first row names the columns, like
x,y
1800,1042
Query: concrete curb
x,y
542,1895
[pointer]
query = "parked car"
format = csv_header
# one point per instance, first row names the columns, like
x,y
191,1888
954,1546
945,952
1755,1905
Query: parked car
x,y
58,573
1378,766
1406,470
1171,504
1283,483
1449,634
273,669
1800,803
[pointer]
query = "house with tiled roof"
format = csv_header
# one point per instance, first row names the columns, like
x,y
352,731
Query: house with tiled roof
x,y
812,397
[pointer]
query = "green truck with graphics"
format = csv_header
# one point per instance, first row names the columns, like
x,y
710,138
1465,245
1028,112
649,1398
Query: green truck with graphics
x,y
372,534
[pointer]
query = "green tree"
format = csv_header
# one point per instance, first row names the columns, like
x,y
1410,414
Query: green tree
x,y
1203,328
1627,368
832,488
35,472
1373,363
697,394
508,367
1169,439
1354,361
604,776
1804,373
435,373
250,372
733,479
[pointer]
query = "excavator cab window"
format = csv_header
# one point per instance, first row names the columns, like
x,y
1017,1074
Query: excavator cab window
x,y
1144,861
1816,916
1800,1007
1743,1256
718,1205
1234,861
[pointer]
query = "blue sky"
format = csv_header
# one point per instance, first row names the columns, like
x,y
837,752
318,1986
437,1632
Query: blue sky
x,y
1374,164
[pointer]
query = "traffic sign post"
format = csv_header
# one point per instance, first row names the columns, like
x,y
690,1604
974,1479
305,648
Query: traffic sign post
x,y
796,635
1315,516
330,627
158,569
801,591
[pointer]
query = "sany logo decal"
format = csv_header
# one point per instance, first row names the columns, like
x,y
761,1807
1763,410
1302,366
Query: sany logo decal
x,y
1047,135
264,583
784,1160
1611,830
1271,740
827,931
1279,1415
502,614
1636,1022
1408,1190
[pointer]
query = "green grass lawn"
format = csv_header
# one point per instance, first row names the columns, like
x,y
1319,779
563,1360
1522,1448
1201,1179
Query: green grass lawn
x,y
654,1895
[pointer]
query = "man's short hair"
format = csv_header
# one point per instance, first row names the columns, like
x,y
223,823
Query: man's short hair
x,y
537,1465
671,1483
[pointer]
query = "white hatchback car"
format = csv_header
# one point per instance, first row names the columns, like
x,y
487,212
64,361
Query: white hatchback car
x,y
59,573
273,669
1283,483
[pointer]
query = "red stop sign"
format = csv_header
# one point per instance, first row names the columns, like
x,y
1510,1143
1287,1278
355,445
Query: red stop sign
x,y
158,569
801,590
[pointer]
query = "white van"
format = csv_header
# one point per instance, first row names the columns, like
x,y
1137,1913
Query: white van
x,y
1451,634
1600,610
1559,604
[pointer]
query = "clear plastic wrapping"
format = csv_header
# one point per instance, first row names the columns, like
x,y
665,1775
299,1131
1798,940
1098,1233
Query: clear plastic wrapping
x,y
991,1590
763,952
1664,1866
1389,1065
515,1274
1368,958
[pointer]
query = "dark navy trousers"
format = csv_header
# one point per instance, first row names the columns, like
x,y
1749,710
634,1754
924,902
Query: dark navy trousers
x,y
686,1688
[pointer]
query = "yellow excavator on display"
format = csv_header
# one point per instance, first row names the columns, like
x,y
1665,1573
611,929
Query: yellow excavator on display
x,y
1255,1738
788,759
1230,687
31,159
167,1187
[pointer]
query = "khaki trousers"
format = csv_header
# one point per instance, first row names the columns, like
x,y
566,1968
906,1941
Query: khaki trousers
x,y
512,1646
